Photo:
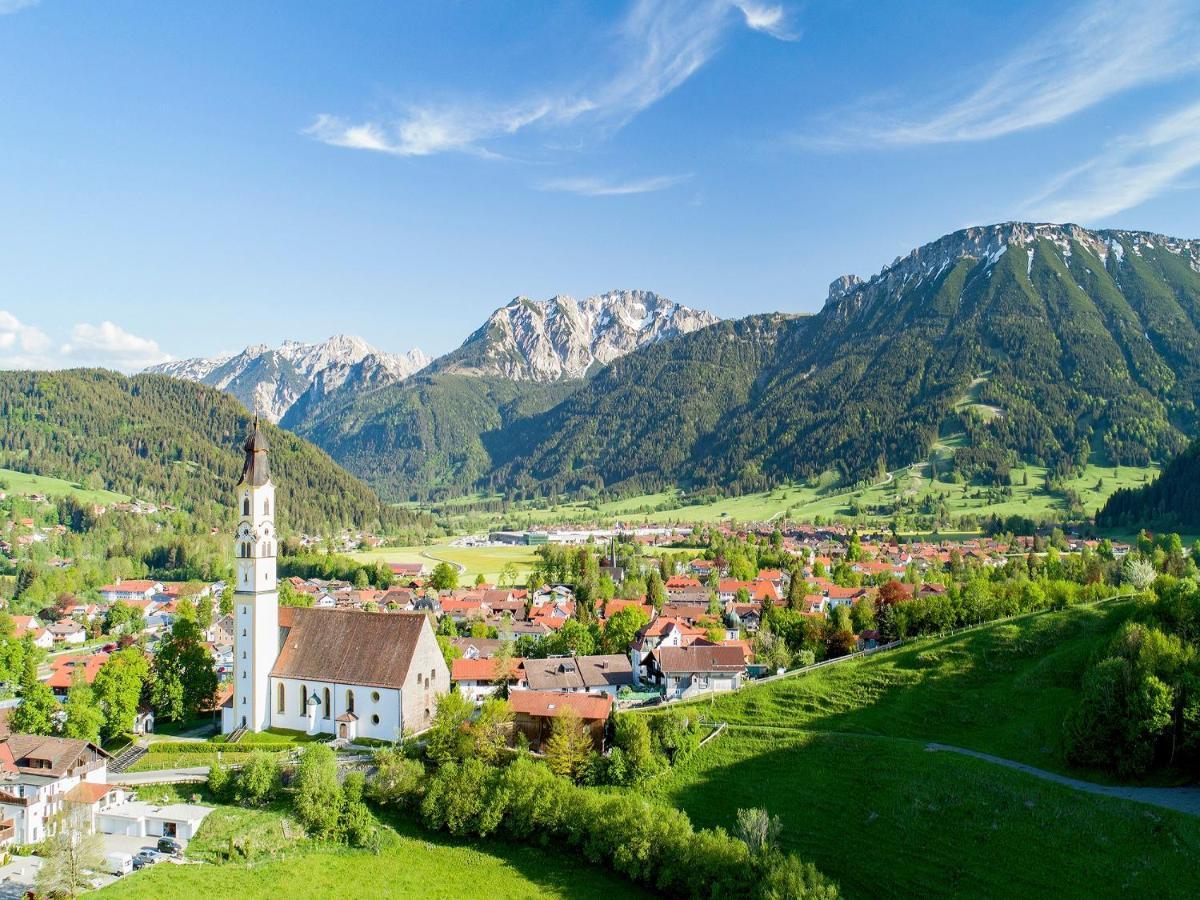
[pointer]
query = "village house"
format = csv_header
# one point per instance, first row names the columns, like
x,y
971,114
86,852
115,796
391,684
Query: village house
x,y
684,671
480,678
605,674
68,631
534,713
29,625
130,590
36,775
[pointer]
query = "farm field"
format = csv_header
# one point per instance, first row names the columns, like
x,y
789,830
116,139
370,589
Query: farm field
x,y
15,482
804,503
410,863
486,561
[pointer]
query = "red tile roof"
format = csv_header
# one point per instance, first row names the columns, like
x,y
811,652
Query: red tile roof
x,y
552,703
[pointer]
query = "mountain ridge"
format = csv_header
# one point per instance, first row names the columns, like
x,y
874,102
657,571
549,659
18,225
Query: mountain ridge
x,y
272,379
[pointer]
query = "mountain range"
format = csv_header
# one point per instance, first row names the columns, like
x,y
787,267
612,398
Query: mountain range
x,y
1050,344
272,380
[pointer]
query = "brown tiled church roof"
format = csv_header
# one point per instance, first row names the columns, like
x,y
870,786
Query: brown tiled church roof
x,y
349,647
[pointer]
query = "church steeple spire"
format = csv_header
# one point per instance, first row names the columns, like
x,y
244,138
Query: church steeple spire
x,y
256,470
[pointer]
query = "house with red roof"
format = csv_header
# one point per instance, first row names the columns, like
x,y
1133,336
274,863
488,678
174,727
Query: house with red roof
x,y
534,713
480,678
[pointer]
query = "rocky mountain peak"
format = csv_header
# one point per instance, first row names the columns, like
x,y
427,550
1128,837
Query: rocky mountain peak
x,y
549,340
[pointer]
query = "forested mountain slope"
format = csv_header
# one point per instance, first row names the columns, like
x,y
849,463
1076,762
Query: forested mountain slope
x,y
1172,501
172,441
425,436
1041,342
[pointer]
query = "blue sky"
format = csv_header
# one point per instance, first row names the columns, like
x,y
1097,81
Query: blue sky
x,y
183,178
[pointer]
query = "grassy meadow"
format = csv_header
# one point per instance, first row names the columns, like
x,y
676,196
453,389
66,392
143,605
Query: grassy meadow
x,y
803,502
888,818
410,863
15,482
840,756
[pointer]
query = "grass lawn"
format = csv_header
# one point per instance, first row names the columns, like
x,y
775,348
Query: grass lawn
x,y
1003,689
411,863
23,483
887,818
165,759
839,754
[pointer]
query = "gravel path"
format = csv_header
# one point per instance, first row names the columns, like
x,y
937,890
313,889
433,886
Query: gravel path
x,y
1181,799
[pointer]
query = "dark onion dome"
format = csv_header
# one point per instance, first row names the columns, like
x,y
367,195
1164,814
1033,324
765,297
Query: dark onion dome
x,y
256,471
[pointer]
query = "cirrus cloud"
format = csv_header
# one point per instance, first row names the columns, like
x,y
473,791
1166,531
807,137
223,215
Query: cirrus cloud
x,y
659,45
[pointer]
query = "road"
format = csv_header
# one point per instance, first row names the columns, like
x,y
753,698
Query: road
x,y
160,776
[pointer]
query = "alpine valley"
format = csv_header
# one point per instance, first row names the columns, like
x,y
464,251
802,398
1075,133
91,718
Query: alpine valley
x,y
1047,344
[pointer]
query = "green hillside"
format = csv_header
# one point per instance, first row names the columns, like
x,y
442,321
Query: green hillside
x,y
170,441
841,756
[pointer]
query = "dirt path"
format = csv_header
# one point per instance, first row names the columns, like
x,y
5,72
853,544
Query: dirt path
x,y
1181,799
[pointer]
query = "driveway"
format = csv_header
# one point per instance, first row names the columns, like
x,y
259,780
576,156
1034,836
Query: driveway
x,y
19,876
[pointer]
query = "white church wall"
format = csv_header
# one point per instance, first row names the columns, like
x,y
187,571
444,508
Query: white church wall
x,y
377,708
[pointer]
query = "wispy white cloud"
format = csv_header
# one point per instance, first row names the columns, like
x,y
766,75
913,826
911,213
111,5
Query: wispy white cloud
x,y
768,19
109,346
22,346
589,186
12,6
1129,171
1091,53
659,45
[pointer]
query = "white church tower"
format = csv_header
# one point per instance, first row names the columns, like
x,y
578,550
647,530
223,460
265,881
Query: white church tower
x,y
255,598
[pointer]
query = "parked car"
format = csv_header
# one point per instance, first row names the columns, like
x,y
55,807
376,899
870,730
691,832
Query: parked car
x,y
146,857
118,863
170,846
109,648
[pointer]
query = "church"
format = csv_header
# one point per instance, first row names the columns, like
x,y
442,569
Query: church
x,y
341,672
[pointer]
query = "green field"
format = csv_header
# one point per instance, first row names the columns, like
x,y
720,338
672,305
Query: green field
x,y
889,819
804,503
486,561
840,755
22,483
411,863
1001,689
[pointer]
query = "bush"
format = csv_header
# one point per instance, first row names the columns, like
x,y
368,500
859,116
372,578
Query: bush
x,y
650,843
259,780
399,781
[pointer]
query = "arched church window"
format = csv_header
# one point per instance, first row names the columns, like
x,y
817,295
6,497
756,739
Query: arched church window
x,y
303,699
246,506
266,506
349,701
282,698
325,708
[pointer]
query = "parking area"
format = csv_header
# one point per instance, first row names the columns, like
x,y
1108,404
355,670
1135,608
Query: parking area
x,y
19,876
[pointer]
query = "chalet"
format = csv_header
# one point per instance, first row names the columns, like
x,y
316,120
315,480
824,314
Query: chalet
x,y
63,670
684,671
534,713
68,631
582,674
36,775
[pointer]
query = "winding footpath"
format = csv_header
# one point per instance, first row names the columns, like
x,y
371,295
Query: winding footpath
x,y
1181,799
